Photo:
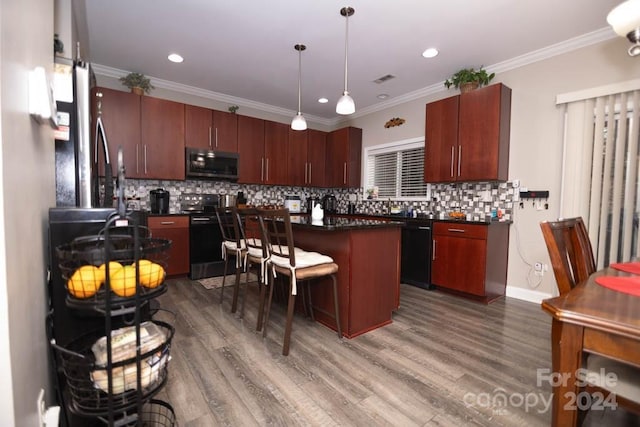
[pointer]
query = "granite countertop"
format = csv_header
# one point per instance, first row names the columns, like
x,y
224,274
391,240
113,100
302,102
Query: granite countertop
x,y
333,223
404,219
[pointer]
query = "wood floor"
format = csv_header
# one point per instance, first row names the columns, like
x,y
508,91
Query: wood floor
x,y
442,362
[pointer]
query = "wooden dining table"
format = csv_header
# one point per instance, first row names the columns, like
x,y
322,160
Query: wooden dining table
x,y
589,319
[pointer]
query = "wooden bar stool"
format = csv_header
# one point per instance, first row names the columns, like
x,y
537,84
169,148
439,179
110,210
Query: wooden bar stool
x,y
233,246
296,264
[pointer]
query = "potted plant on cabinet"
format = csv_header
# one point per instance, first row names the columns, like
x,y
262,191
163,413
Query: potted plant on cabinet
x,y
138,83
469,79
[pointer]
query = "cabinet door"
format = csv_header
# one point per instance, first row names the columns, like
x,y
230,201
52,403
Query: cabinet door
x,y
298,164
198,122
316,152
176,229
441,140
120,112
162,136
484,133
276,140
343,155
225,131
251,150
459,264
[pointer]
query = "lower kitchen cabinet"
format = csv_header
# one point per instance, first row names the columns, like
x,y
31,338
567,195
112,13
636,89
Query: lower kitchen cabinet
x,y
471,259
176,229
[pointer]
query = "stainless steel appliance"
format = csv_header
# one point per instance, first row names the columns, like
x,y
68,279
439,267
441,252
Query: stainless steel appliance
x,y
75,155
329,204
227,200
415,268
205,237
159,199
208,164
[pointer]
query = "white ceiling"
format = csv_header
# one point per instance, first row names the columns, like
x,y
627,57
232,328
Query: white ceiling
x,y
244,49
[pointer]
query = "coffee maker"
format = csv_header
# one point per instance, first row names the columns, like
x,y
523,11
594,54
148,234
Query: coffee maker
x,y
329,204
159,199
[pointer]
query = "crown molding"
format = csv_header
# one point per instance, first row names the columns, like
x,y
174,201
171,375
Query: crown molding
x,y
116,73
566,46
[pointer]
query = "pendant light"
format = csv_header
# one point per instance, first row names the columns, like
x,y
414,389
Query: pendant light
x,y
345,104
298,122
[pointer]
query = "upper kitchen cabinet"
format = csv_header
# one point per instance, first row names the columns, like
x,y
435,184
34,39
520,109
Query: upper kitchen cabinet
x,y
307,150
251,150
276,141
224,133
467,136
344,147
120,112
162,139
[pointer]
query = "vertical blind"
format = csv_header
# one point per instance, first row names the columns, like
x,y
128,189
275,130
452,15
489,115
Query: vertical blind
x,y
398,173
600,172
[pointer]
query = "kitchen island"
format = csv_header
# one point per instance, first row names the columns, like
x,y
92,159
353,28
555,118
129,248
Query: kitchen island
x,y
368,256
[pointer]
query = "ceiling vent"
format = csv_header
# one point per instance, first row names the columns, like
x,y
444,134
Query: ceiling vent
x,y
384,78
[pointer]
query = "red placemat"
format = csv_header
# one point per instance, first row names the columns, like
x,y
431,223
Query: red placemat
x,y
629,267
628,285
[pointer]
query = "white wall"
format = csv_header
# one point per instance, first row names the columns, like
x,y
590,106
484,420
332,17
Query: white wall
x,y
536,139
27,183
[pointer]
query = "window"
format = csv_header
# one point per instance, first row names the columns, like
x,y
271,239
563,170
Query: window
x,y
397,170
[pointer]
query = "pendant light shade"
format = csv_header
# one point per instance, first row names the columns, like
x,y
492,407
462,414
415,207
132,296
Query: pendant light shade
x,y
299,122
625,21
346,105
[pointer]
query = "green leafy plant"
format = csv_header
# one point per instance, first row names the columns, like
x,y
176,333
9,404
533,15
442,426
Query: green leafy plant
x,y
137,80
233,109
469,75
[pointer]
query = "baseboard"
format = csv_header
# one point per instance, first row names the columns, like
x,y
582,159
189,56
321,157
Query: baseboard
x,y
529,295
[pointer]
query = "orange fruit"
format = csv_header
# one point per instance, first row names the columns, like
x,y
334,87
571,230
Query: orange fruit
x,y
113,267
85,281
123,281
151,274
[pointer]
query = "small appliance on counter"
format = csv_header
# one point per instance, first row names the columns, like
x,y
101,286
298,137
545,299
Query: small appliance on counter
x,y
292,203
330,204
159,199
226,200
311,202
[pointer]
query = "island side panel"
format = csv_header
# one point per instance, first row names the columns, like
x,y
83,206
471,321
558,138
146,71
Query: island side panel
x,y
368,275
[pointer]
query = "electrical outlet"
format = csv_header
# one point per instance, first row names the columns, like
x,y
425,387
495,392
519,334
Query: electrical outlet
x,y
538,267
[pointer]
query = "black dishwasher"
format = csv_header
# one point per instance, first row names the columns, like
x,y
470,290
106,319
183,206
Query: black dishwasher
x,y
416,253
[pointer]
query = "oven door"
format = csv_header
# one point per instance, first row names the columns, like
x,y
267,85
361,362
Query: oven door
x,y
205,247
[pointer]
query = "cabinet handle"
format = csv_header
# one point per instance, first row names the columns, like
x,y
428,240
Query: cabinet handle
x,y
456,230
137,158
309,172
305,172
209,136
424,228
459,158
452,148
167,222
145,159
433,250
216,137
344,179
261,169
267,180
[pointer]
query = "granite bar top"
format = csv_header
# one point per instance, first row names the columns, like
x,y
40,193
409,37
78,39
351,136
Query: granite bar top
x,y
422,220
338,223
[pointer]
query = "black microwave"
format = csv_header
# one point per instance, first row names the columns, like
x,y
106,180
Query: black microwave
x,y
209,164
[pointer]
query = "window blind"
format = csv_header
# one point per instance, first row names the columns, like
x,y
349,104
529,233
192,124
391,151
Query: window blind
x,y
397,173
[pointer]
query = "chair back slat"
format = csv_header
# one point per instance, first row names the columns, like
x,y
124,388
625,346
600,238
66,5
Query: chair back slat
x,y
230,225
570,251
275,225
252,233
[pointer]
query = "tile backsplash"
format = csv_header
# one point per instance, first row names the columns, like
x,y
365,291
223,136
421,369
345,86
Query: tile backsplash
x,y
476,200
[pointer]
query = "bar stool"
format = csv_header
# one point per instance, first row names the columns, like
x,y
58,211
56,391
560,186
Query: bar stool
x,y
233,246
296,264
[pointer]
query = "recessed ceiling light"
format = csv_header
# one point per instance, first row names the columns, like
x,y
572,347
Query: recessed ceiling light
x,y
430,53
174,57
323,100
383,96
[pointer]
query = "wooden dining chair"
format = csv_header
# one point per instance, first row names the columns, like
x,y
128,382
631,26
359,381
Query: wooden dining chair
x,y
295,264
233,246
570,251
573,262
